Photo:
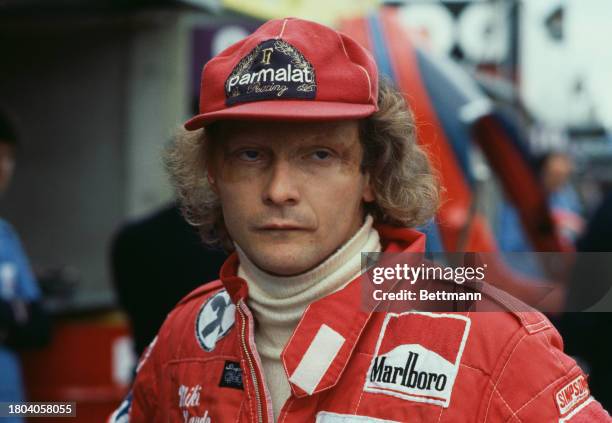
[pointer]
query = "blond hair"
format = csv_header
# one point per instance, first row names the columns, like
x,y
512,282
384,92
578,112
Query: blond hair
x,y
404,184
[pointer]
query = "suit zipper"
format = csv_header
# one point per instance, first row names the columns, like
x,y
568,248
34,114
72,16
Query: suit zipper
x,y
250,362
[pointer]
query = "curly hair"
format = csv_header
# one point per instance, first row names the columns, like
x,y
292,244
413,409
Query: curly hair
x,y
405,186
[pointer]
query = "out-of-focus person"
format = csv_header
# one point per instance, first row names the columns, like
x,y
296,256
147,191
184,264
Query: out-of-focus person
x,y
23,322
163,256
555,169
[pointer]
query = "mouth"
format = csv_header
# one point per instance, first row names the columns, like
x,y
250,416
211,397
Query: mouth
x,y
282,226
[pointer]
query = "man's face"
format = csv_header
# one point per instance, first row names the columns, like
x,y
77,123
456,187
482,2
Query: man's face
x,y
558,169
291,193
7,165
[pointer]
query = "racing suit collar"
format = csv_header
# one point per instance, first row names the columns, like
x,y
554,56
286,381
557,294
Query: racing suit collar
x,y
317,352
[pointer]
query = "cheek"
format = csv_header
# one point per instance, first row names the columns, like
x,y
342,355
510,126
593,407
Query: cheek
x,y
234,196
238,174
341,193
239,202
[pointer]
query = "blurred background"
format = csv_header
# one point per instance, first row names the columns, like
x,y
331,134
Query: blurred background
x,y
513,98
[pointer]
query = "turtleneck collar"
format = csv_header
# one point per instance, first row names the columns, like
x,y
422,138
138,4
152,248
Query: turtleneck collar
x,y
329,276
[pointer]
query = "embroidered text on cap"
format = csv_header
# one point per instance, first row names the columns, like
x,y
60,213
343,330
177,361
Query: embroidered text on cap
x,y
272,70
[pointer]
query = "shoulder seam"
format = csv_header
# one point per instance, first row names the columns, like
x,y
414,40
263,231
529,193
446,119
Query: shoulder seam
x,y
514,306
506,404
501,372
200,291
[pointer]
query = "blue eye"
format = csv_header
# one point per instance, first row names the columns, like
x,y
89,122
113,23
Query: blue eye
x,y
321,155
249,155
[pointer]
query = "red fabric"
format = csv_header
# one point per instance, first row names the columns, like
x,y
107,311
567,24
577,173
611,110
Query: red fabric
x,y
494,366
590,413
345,74
417,332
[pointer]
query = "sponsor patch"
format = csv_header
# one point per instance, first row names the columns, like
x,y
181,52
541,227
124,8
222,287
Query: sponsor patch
x,y
273,70
327,417
417,356
572,394
231,376
215,319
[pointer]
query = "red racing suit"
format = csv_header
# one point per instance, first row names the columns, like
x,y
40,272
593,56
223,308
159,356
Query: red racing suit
x,y
347,365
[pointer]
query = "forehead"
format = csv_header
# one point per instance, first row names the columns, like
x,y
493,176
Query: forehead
x,y
345,133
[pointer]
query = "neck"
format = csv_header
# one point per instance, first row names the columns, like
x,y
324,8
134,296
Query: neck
x,y
279,302
344,265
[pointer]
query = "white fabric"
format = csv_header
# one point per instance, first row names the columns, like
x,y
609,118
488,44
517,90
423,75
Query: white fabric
x,y
327,417
278,303
317,359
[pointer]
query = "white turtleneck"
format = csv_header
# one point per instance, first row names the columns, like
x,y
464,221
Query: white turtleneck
x,y
278,302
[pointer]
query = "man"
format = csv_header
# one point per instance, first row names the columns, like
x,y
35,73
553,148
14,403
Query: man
x,y
22,320
299,161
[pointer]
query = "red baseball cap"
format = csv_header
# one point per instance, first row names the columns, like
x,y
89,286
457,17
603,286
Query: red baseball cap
x,y
292,70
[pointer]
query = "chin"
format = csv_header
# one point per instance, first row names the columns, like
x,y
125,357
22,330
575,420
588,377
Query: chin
x,y
284,263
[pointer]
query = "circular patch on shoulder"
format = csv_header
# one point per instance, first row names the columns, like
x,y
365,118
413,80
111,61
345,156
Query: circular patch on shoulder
x,y
215,319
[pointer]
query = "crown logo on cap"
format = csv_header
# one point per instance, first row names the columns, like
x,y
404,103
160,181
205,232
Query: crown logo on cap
x,y
267,55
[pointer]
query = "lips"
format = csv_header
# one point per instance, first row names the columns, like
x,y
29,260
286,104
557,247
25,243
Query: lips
x,y
282,227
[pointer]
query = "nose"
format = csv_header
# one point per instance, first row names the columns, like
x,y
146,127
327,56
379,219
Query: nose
x,y
282,188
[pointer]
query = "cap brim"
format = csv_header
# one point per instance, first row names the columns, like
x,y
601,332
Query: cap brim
x,y
284,110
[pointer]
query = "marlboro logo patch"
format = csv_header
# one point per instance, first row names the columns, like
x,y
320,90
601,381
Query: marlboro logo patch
x,y
417,356
572,394
272,70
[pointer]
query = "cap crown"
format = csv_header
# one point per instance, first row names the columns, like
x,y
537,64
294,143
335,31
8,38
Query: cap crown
x,y
289,69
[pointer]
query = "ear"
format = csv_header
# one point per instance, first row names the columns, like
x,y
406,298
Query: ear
x,y
368,191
